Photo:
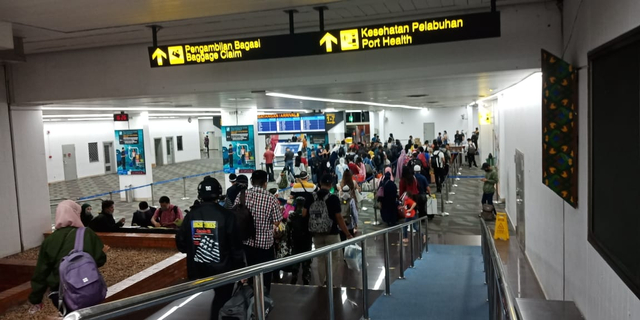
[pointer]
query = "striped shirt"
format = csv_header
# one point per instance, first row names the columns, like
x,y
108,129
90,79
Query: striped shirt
x,y
265,209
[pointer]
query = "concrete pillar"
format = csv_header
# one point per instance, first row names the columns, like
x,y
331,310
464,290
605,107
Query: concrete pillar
x,y
138,121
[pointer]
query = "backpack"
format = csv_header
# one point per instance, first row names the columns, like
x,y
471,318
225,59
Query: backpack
x,y
345,206
244,218
341,152
284,180
369,169
414,162
472,150
81,284
319,220
240,306
436,162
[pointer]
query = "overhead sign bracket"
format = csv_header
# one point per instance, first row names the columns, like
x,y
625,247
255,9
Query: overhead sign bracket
x,y
321,10
291,13
154,33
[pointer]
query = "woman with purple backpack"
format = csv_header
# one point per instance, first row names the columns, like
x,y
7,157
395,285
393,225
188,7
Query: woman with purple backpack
x,y
56,247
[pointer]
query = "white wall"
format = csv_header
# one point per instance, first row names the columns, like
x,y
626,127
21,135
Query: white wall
x,y
81,133
405,122
164,128
31,171
573,271
9,230
204,126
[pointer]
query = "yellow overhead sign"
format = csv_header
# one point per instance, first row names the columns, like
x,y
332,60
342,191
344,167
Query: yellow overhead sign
x,y
415,32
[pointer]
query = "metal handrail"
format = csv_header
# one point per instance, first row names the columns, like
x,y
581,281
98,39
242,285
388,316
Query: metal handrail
x,y
146,300
502,304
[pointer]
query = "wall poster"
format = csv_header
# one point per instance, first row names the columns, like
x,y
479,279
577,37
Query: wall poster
x,y
130,152
560,127
238,149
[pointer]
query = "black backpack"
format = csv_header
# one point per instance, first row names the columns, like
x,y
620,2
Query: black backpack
x,y
341,152
244,218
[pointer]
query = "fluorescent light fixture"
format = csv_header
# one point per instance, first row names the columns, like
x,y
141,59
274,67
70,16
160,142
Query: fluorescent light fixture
x,y
46,116
89,119
365,103
67,108
183,114
205,118
331,110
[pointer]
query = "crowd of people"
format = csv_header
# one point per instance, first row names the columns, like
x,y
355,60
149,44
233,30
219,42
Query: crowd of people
x,y
250,224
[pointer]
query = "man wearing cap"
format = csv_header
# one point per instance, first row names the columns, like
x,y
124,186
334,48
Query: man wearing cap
x,y
320,240
209,237
265,209
489,188
423,191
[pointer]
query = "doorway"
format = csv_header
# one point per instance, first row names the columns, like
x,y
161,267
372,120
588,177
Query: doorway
x,y
170,154
157,142
108,158
520,226
69,162
429,131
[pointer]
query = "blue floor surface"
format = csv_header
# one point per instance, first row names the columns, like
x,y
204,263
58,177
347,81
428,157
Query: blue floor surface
x,y
448,283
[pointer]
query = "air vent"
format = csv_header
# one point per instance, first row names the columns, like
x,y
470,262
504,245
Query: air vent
x,y
417,95
433,102
349,93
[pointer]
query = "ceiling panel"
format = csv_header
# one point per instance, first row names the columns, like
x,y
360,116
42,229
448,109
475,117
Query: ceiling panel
x,y
368,10
434,3
393,6
420,4
49,25
406,5
453,91
447,3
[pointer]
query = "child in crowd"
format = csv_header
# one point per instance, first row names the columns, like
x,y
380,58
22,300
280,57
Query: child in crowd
x,y
409,205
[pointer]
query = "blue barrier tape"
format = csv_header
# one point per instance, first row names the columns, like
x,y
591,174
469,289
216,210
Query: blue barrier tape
x,y
148,185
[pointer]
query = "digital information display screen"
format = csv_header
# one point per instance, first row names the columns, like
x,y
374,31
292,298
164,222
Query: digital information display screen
x,y
290,123
267,126
313,123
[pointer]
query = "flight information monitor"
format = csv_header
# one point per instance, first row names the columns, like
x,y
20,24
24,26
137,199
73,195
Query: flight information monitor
x,y
269,125
291,123
286,125
313,123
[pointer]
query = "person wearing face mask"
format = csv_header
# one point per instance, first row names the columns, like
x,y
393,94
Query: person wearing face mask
x,y
489,188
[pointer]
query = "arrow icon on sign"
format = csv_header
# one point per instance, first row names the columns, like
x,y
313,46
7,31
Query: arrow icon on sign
x,y
328,39
159,54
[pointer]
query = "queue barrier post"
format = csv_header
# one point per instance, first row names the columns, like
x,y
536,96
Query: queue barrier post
x,y
184,186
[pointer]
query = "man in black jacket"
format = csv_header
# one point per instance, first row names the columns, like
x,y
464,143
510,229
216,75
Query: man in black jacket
x,y
209,237
142,217
104,222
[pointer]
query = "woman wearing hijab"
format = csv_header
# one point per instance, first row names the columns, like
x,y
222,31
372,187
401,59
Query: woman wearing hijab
x,y
388,204
400,164
390,171
85,214
57,246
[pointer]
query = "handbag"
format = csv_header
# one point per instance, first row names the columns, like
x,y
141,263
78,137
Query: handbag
x,y
380,192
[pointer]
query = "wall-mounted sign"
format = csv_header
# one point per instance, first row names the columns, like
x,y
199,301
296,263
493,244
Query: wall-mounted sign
x,y
121,117
407,33
130,153
238,149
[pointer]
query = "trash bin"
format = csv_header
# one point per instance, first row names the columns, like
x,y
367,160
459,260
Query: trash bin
x,y
491,160
129,193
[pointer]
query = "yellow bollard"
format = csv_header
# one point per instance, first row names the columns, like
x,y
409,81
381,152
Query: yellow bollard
x,y
502,227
